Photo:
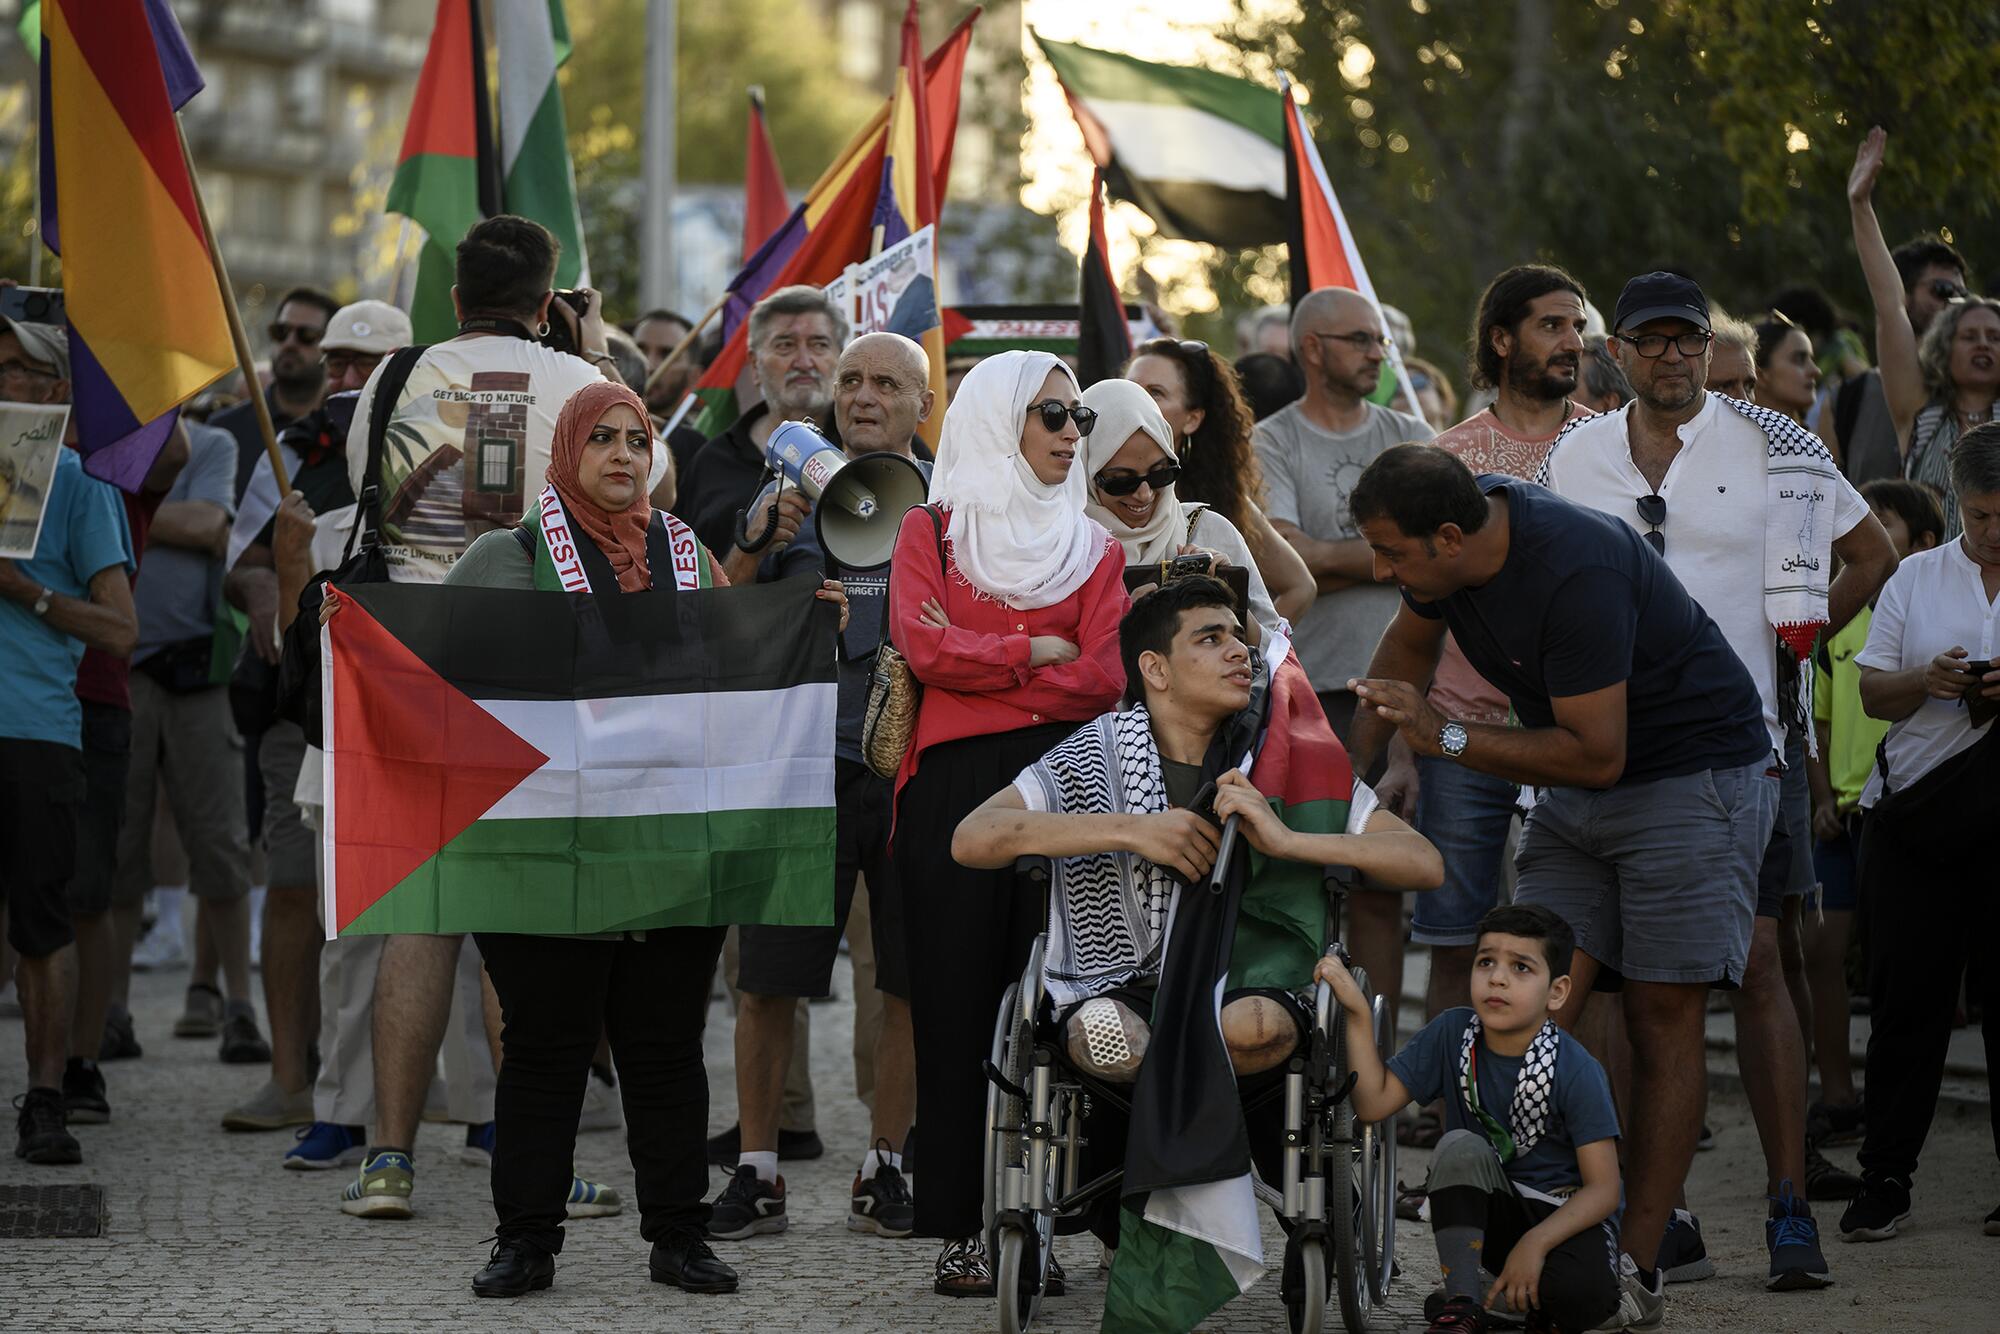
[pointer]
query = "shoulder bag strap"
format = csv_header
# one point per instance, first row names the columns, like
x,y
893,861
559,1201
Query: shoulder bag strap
x,y
388,392
944,575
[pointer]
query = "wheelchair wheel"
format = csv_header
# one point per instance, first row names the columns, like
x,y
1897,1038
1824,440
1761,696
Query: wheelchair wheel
x,y
1002,1108
1378,1184
1348,1191
1307,1315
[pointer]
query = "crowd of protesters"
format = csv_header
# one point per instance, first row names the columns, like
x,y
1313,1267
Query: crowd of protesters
x,y
1679,636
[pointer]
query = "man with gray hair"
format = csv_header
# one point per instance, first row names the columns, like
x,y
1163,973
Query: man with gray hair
x,y
796,334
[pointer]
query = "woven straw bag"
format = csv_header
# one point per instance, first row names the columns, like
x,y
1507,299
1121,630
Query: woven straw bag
x,y
894,695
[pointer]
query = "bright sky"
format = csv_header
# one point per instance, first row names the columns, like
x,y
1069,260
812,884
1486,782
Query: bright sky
x,y
1055,165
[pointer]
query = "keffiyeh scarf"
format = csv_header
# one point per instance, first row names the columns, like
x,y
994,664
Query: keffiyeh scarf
x,y
1534,1093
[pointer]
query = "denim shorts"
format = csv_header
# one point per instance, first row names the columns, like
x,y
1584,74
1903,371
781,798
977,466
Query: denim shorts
x,y
1834,861
1787,869
1658,879
1465,814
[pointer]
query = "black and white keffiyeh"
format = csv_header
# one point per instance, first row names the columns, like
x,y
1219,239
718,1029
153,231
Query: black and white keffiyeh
x,y
1107,911
1534,1093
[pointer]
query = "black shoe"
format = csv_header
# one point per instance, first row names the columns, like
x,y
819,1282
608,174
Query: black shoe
x,y
1834,1123
83,1098
684,1260
1881,1207
1824,1181
513,1270
793,1146
1992,1228
1496,1317
1459,1315
1707,1140
43,1138
120,1042
882,1203
242,1044
1792,1234
1683,1256
747,1206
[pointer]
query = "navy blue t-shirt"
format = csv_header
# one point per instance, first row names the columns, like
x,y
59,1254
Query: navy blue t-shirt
x,y
1583,603
1583,1111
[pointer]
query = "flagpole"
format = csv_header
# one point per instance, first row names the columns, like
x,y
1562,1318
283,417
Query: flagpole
x,y
244,360
402,252
684,344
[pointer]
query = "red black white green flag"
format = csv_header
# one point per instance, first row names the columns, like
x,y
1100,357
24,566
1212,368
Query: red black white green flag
x,y
1103,338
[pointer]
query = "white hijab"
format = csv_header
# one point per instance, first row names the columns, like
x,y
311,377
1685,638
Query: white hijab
x,y
1122,408
1013,537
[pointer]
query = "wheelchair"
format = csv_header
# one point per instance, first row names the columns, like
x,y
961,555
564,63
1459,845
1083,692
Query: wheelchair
x,y
1337,1197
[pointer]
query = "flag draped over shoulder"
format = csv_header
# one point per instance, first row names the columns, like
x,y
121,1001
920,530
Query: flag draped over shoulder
x,y
1202,153
1189,1236
1103,338
835,226
537,178
502,760
147,327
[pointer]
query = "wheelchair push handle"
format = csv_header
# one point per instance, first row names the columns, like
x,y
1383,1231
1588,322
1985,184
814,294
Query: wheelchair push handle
x,y
1219,876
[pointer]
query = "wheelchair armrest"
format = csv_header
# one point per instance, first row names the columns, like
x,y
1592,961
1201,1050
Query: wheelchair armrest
x,y
1339,879
1033,871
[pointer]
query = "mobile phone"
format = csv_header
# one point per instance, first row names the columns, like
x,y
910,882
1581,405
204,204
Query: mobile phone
x,y
1979,710
1978,667
32,305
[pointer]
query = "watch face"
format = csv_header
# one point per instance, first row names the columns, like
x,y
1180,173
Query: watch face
x,y
1451,739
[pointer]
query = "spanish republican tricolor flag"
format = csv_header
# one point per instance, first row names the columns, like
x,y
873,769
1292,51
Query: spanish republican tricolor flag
x,y
910,192
565,764
147,325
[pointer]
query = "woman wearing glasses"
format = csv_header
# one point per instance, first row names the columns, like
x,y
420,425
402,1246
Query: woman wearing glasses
x,y
1005,600
1133,471
1200,397
1941,387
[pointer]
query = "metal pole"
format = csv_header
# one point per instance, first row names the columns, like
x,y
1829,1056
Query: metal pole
x,y
657,278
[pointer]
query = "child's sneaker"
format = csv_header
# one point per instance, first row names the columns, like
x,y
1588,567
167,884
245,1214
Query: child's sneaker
x,y
1459,1315
1881,1207
1797,1264
1683,1255
383,1188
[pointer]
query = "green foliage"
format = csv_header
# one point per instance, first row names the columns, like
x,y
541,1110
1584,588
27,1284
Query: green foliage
x,y
1614,138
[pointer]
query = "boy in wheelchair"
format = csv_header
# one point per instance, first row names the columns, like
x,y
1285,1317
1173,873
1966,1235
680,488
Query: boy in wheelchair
x,y
1525,1181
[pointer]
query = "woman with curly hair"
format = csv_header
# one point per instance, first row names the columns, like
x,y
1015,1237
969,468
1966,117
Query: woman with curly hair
x,y
1204,406
1938,389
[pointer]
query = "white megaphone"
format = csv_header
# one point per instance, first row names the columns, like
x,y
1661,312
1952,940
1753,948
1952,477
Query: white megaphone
x,y
861,502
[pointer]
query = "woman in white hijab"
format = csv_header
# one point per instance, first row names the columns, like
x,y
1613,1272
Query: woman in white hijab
x,y
1130,466
1005,600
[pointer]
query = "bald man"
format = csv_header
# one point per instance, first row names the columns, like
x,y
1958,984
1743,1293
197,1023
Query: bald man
x,y
880,395
1313,451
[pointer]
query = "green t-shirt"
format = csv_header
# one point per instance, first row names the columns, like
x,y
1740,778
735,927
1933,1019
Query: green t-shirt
x,y
494,560
1852,734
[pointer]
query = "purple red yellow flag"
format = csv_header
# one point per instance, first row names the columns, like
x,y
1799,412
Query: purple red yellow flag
x,y
908,201
147,328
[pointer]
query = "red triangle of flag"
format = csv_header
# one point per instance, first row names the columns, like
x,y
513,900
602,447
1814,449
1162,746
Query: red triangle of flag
x,y
414,761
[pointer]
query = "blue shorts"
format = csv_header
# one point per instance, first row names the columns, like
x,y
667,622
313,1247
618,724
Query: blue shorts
x,y
1834,863
1465,814
1787,870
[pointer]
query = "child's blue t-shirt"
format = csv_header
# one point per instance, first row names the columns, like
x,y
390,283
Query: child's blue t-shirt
x,y
1583,1114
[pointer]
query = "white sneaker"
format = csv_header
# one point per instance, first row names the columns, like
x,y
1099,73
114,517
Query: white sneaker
x,y
602,1107
162,947
1638,1306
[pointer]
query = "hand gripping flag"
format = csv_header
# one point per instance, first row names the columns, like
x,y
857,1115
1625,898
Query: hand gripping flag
x,y
570,763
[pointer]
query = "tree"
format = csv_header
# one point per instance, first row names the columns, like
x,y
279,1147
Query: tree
x,y
1615,138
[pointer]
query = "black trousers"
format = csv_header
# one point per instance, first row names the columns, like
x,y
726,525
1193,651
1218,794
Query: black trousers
x,y
1922,914
1578,1288
557,994
968,934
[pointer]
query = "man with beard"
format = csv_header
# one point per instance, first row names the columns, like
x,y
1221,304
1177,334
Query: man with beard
x,y
1313,452
297,377
796,334
1527,346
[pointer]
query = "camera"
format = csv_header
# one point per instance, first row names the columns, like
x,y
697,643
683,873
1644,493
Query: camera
x,y
32,305
563,330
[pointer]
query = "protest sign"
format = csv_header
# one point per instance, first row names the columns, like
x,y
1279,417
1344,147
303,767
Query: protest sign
x,y
30,436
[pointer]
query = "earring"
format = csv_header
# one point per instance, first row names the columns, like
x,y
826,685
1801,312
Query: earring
x,y
542,329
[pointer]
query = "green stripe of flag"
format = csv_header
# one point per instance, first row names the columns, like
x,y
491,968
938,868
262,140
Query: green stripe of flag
x,y
1162,1280
440,193
1114,77
540,183
1281,927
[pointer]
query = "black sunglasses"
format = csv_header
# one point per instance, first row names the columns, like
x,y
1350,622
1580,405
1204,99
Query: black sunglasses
x,y
1944,289
1053,411
1653,510
1125,483
307,334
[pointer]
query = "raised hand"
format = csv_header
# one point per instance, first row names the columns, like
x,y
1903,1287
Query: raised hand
x,y
1867,165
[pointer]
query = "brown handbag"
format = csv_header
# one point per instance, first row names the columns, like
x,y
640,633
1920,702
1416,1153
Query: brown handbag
x,y
894,693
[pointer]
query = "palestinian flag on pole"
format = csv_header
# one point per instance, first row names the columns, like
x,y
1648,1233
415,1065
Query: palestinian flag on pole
x,y
1202,153
448,176
1189,1235
1103,338
502,760
537,180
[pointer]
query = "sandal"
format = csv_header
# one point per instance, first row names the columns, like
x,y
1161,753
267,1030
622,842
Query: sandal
x,y
1421,1131
963,1270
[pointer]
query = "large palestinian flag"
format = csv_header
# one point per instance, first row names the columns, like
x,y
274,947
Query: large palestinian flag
x,y
1189,1237
559,764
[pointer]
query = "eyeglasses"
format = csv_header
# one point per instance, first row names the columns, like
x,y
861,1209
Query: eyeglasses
x,y
307,335
1944,289
1653,510
1360,340
1053,411
342,363
1125,483
1650,346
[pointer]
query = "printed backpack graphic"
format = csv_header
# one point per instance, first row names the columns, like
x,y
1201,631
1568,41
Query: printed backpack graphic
x,y
457,462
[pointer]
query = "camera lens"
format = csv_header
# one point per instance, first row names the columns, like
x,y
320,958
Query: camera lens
x,y
36,306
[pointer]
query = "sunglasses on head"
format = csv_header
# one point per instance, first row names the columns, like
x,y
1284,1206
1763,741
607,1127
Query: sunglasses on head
x,y
1125,483
307,334
1054,411
1653,511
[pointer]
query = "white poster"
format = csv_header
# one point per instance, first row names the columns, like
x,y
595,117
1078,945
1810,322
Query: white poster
x,y
895,290
30,435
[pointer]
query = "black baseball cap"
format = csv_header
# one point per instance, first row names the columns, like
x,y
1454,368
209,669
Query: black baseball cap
x,y
1660,296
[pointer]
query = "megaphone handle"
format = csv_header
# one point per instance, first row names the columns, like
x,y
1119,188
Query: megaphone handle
x,y
743,542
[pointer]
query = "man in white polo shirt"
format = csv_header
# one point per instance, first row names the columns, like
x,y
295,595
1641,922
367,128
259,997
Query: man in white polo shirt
x,y
1750,511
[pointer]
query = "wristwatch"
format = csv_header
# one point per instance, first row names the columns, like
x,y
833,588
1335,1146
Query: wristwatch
x,y
1452,739
42,602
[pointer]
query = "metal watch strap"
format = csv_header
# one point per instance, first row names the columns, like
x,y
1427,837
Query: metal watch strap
x,y
42,600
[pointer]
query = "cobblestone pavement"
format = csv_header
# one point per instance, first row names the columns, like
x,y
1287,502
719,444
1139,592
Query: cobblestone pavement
x,y
206,1232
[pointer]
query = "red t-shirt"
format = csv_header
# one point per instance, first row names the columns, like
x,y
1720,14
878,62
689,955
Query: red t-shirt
x,y
101,678
976,676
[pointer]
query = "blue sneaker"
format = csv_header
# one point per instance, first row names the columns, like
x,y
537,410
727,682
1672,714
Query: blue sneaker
x,y
323,1145
478,1150
1793,1236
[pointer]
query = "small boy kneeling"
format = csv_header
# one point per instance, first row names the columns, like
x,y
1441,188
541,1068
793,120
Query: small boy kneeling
x,y
1525,1181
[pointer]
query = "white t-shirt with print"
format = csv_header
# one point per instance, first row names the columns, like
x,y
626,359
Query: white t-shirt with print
x,y
1715,494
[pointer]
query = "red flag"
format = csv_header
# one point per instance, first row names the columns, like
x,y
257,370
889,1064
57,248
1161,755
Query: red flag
x,y
765,206
1103,338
